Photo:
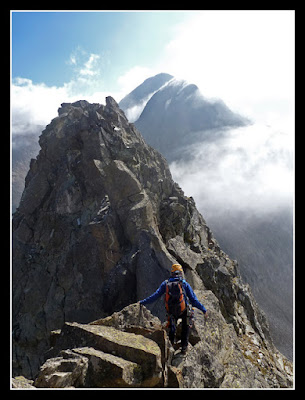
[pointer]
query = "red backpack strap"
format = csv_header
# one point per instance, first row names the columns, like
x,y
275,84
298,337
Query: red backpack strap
x,y
166,296
182,297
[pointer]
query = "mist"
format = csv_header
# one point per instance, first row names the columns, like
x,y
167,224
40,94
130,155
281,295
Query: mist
x,y
242,181
135,111
248,169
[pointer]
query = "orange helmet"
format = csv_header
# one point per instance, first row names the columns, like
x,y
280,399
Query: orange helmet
x,y
176,267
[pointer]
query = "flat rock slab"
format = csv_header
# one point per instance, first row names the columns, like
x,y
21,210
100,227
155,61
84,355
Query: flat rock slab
x,y
129,346
107,370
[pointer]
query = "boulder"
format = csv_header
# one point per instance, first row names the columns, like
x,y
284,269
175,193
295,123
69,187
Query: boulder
x,y
69,370
88,367
108,370
143,364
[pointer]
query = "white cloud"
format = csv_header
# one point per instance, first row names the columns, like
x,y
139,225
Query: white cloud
x,y
33,104
246,58
36,104
72,60
90,66
133,78
249,168
134,112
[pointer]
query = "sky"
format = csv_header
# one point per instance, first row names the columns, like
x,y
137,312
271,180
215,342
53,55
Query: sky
x,y
246,58
243,57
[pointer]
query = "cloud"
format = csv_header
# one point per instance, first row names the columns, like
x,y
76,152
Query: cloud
x,y
133,78
133,113
89,68
249,169
36,104
87,74
246,58
75,56
33,104
72,60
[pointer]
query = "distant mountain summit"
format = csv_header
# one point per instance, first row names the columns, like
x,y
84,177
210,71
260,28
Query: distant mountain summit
x,y
172,113
142,92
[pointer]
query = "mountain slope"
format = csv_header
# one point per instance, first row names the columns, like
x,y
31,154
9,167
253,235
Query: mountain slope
x,y
177,115
142,93
99,224
265,250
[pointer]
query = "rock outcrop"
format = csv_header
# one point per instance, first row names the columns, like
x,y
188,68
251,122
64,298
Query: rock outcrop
x,y
99,225
130,349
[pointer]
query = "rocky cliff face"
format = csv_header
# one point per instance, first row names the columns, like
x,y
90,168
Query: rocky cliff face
x,y
99,224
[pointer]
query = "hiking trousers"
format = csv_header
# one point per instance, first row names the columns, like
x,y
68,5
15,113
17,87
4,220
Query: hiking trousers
x,y
185,329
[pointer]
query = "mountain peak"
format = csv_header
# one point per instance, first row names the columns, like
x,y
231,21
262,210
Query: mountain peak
x,y
111,102
185,116
144,91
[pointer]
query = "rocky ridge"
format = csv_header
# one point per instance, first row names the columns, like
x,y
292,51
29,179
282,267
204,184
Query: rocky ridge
x,y
99,224
131,349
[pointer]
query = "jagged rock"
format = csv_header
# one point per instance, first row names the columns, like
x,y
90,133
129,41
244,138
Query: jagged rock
x,y
139,320
20,382
134,315
61,372
175,379
99,224
143,352
123,350
96,368
118,353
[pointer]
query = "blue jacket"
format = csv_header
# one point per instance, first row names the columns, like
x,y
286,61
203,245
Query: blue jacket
x,y
188,290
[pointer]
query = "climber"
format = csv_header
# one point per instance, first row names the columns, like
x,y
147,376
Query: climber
x,y
177,293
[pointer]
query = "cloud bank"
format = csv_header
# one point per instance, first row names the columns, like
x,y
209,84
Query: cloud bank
x,y
244,57
248,169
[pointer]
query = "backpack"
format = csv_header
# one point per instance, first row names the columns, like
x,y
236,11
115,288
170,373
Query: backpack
x,y
175,302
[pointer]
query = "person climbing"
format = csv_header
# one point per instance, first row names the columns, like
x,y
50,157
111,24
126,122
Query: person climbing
x,y
177,293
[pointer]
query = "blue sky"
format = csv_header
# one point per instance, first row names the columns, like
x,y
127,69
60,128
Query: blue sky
x,y
246,58
42,42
